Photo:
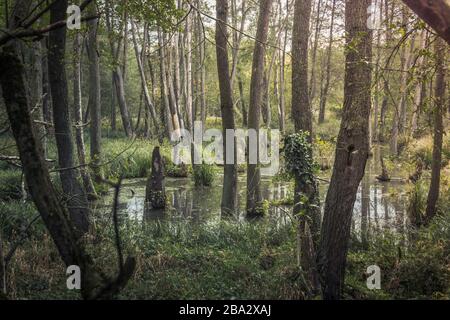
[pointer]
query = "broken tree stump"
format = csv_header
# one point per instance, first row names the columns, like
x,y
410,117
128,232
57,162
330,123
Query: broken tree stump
x,y
155,194
384,177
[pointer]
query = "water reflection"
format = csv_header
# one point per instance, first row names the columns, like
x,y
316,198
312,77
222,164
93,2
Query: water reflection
x,y
378,205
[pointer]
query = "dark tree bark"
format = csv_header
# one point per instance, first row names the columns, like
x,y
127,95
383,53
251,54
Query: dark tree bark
x,y
254,197
94,285
439,111
155,194
76,196
352,151
229,191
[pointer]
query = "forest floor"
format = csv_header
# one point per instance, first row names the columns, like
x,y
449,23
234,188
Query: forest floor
x,y
224,260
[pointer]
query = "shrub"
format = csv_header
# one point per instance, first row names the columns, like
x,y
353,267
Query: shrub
x,y
15,216
175,171
422,149
417,203
10,185
204,175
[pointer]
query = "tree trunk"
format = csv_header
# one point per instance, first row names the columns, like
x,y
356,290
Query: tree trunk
x,y
155,193
76,196
254,197
170,120
324,93
118,79
301,107
229,193
418,95
55,216
77,111
282,90
352,151
94,94
148,100
439,111
317,30
305,186
188,74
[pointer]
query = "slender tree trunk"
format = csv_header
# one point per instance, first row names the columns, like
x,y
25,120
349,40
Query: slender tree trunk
x,y
77,111
317,30
237,38
439,112
118,79
76,196
242,100
282,90
389,16
94,285
305,186
352,151
229,194
324,93
148,100
376,111
254,196
171,119
188,74
418,95
94,95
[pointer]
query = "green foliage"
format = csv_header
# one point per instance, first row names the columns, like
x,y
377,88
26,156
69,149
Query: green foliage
x,y
298,155
422,150
15,216
417,203
163,13
419,271
204,175
324,152
176,171
10,184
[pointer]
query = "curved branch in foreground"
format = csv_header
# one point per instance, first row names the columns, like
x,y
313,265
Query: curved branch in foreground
x,y
434,12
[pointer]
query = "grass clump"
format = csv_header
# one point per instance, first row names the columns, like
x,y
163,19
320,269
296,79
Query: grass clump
x,y
204,175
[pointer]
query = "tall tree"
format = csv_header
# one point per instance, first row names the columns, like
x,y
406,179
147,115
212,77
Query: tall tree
x,y
117,73
69,174
301,107
352,150
94,104
78,117
94,285
326,86
439,111
305,185
254,197
229,194
139,58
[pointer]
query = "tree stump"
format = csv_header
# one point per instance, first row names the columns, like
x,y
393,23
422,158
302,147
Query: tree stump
x,y
155,195
384,177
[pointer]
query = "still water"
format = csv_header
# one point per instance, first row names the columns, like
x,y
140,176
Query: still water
x,y
378,205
